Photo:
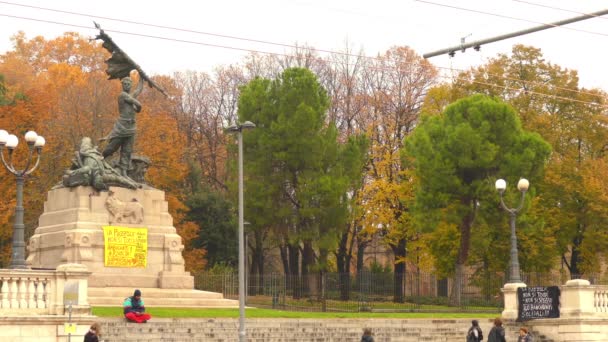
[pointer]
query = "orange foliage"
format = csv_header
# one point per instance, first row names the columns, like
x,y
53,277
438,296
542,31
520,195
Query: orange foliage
x,y
62,93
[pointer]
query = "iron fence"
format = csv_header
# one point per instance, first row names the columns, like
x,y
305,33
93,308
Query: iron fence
x,y
373,292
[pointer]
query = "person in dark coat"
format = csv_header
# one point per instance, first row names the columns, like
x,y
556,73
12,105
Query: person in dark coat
x,y
474,334
367,335
497,334
93,334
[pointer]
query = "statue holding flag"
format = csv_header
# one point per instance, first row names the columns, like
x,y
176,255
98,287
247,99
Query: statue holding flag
x,y
122,135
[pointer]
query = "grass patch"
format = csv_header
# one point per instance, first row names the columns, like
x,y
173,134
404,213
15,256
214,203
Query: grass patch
x,y
269,313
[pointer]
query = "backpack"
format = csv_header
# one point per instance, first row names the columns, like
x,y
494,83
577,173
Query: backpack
x,y
471,337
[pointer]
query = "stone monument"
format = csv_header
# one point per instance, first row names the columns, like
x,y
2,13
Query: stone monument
x,y
104,216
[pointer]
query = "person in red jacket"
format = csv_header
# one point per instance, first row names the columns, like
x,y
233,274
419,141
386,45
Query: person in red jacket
x,y
134,309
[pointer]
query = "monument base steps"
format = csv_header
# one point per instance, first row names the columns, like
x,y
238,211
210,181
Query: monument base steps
x,y
155,297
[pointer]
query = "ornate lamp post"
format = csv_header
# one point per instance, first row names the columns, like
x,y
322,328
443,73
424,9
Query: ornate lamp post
x,y
238,129
10,141
522,186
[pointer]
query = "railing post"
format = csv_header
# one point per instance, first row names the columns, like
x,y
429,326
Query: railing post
x,y
577,299
71,273
511,304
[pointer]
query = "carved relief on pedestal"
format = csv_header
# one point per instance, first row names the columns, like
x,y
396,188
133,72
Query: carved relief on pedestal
x,y
77,248
32,249
173,249
124,212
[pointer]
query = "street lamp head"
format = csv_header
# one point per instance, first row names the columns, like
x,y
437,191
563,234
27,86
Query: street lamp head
x,y
240,127
500,185
3,137
247,125
232,129
30,137
40,142
12,141
523,185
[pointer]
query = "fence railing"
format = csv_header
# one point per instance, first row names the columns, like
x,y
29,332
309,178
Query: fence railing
x,y
600,299
25,292
29,291
411,291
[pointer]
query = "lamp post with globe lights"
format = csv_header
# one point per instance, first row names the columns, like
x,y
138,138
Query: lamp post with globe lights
x,y
522,186
10,142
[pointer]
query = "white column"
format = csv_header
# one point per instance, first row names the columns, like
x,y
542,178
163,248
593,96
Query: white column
x,y
511,304
577,299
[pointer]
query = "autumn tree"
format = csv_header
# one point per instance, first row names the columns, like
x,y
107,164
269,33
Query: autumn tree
x,y
395,85
572,120
65,96
458,155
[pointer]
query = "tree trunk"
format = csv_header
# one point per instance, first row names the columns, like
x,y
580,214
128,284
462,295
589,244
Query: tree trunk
x,y
361,245
294,275
307,274
284,258
343,258
456,293
575,256
258,280
463,254
399,253
253,271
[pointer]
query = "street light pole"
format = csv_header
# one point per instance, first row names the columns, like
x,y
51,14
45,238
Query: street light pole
x,y
522,186
238,129
10,141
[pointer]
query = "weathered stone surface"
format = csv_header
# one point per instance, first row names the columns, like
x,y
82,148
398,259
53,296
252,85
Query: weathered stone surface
x,y
71,231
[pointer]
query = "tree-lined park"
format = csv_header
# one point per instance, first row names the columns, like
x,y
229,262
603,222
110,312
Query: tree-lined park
x,y
347,150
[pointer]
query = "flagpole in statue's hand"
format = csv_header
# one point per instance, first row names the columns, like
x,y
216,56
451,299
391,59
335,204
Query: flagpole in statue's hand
x,y
120,64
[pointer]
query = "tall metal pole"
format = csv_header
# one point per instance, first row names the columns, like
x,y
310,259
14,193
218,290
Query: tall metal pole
x,y
18,259
515,275
242,332
477,44
34,143
238,129
514,272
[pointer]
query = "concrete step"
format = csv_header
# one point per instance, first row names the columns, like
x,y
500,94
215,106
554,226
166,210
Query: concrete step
x,y
155,297
281,329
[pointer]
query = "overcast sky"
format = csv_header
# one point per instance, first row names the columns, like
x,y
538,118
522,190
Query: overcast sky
x,y
374,26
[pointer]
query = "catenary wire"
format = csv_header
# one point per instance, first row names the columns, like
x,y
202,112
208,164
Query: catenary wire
x,y
288,55
510,17
180,29
559,9
247,39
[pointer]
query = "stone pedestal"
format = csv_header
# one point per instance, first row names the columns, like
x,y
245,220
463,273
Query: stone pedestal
x,y
71,231
511,304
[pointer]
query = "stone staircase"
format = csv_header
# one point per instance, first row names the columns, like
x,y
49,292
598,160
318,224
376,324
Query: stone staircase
x,y
293,330
513,328
155,297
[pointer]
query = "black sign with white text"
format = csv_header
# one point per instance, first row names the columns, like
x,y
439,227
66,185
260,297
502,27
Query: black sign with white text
x,y
537,302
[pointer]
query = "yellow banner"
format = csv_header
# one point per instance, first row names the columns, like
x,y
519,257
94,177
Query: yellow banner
x,y
69,328
125,247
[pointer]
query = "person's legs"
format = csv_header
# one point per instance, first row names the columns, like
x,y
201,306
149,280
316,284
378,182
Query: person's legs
x,y
133,317
126,150
111,147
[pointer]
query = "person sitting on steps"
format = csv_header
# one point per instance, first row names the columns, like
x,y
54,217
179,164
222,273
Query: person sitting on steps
x,y
134,308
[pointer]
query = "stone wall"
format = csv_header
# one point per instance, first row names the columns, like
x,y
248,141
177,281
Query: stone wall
x,y
283,329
